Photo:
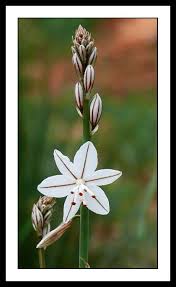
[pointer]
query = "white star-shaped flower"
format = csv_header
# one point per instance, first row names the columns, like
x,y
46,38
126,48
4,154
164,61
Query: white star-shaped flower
x,y
80,182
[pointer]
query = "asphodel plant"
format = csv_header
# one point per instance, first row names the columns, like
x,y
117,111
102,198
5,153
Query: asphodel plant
x,y
79,180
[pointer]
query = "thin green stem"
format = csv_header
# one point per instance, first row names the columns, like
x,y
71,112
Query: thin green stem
x,y
41,254
84,212
86,124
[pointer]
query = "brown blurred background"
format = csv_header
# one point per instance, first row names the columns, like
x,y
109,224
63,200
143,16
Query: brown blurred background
x,y
127,60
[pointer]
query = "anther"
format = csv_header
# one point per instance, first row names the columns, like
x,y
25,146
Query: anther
x,y
80,193
72,192
93,196
73,203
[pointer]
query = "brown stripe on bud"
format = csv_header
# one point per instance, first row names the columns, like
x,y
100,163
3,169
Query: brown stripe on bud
x,y
47,216
37,220
79,98
82,53
77,64
84,42
93,57
95,110
90,47
89,77
46,229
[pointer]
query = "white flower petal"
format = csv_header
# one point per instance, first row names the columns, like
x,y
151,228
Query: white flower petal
x,y
99,204
56,186
85,160
64,164
103,177
69,209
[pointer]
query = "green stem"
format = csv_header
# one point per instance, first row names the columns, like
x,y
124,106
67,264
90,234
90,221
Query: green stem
x,y
84,212
86,125
41,254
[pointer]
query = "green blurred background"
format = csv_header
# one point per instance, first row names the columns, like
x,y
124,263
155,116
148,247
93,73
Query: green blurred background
x,y
126,79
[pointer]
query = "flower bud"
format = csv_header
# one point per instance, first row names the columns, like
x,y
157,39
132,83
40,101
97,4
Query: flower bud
x,y
79,98
89,47
93,57
89,77
84,42
82,37
77,64
82,53
95,111
53,235
37,220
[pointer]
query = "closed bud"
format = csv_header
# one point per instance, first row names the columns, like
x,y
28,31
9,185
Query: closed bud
x,y
37,220
47,216
89,77
82,37
95,111
82,53
77,64
53,235
79,98
90,47
84,42
93,57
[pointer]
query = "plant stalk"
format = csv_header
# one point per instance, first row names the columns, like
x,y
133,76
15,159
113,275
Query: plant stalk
x,y
41,254
84,212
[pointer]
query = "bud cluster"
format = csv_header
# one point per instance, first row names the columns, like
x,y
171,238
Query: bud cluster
x,y
84,58
84,52
41,215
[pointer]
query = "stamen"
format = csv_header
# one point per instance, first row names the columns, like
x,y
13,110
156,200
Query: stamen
x,y
81,189
75,196
89,191
73,190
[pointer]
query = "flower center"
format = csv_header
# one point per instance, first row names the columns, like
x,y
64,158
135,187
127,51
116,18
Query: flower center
x,y
80,181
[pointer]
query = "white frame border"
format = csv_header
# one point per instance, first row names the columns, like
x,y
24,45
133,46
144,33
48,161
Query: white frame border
x,y
163,15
